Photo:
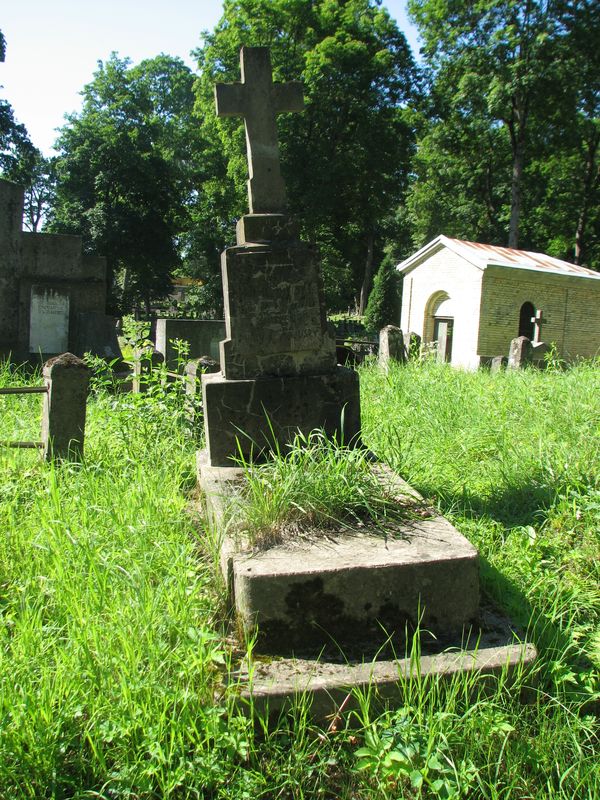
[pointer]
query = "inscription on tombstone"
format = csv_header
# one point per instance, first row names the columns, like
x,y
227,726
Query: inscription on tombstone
x,y
48,321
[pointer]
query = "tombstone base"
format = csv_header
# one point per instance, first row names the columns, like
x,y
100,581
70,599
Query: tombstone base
x,y
252,416
269,687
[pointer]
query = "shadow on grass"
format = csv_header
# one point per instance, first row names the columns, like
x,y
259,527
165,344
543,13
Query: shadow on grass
x,y
520,504
555,646
512,505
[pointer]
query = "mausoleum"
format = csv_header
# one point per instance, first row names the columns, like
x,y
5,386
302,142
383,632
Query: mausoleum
x,y
52,294
469,301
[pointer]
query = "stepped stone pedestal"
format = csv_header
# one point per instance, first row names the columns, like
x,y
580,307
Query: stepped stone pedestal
x,y
338,591
278,367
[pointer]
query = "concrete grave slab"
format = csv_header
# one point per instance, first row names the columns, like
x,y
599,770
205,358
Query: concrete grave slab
x,y
269,409
271,686
341,586
350,585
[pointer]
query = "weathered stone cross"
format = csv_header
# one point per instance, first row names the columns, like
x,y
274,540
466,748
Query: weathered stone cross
x,y
259,100
537,325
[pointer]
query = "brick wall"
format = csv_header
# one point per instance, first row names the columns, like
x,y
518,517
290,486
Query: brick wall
x,y
570,306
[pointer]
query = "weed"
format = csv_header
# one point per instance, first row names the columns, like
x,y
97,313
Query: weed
x,y
313,483
111,644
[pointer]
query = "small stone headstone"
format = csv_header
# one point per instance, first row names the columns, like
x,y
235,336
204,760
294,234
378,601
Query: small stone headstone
x,y
63,414
391,346
202,336
539,350
412,345
498,363
521,352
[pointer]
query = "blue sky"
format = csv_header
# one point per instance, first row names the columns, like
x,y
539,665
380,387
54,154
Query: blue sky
x,y
53,47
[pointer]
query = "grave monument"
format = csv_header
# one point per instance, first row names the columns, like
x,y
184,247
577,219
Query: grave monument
x,y
52,294
278,372
346,588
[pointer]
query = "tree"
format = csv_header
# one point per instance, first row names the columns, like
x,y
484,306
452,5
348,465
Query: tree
x,y
460,178
22,162
345,159
503,51
126,173
382,308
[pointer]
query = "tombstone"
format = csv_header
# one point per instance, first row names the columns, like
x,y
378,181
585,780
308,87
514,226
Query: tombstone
x,y
391,346
412,345
46,284
537,320
202,335
279,373
520,354
539,351
96,333
63,414
498,363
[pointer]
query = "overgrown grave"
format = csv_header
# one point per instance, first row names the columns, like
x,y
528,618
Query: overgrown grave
x,y
340,602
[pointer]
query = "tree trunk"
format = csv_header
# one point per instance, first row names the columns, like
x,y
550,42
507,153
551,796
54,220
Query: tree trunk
x,y
368,279
591,178
515,191
517,125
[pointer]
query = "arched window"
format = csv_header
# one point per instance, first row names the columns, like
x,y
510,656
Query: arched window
x,y
526,324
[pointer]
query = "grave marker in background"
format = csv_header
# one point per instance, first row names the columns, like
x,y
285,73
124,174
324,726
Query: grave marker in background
x,y
48,320
51,292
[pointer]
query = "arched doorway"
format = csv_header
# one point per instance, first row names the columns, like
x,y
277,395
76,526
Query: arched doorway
x,y
439,325
527,320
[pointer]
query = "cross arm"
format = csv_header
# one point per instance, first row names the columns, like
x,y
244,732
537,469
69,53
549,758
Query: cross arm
x,y
230,99
288,96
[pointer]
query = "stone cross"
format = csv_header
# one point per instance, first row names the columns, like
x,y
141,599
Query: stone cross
x,y
537,325
258,100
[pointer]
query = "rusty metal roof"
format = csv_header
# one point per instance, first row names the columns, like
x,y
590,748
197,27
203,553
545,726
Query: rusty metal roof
x,y
485,255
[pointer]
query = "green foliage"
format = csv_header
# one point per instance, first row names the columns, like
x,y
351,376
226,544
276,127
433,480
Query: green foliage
x,y
315,482
111,646
358,74
503,454
400,753
382,308
126,173
508,142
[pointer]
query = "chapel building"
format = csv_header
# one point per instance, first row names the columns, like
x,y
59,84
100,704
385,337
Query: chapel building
x,y
468,301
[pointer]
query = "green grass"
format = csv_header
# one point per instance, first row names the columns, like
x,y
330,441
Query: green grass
x,y
314,482
113,638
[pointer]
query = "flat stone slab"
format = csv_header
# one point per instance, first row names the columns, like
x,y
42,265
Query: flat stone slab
x,y
349,585
329,689
341,587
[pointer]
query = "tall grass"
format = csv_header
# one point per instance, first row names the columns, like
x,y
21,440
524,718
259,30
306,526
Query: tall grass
x,y
112,635
513,458
313,483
